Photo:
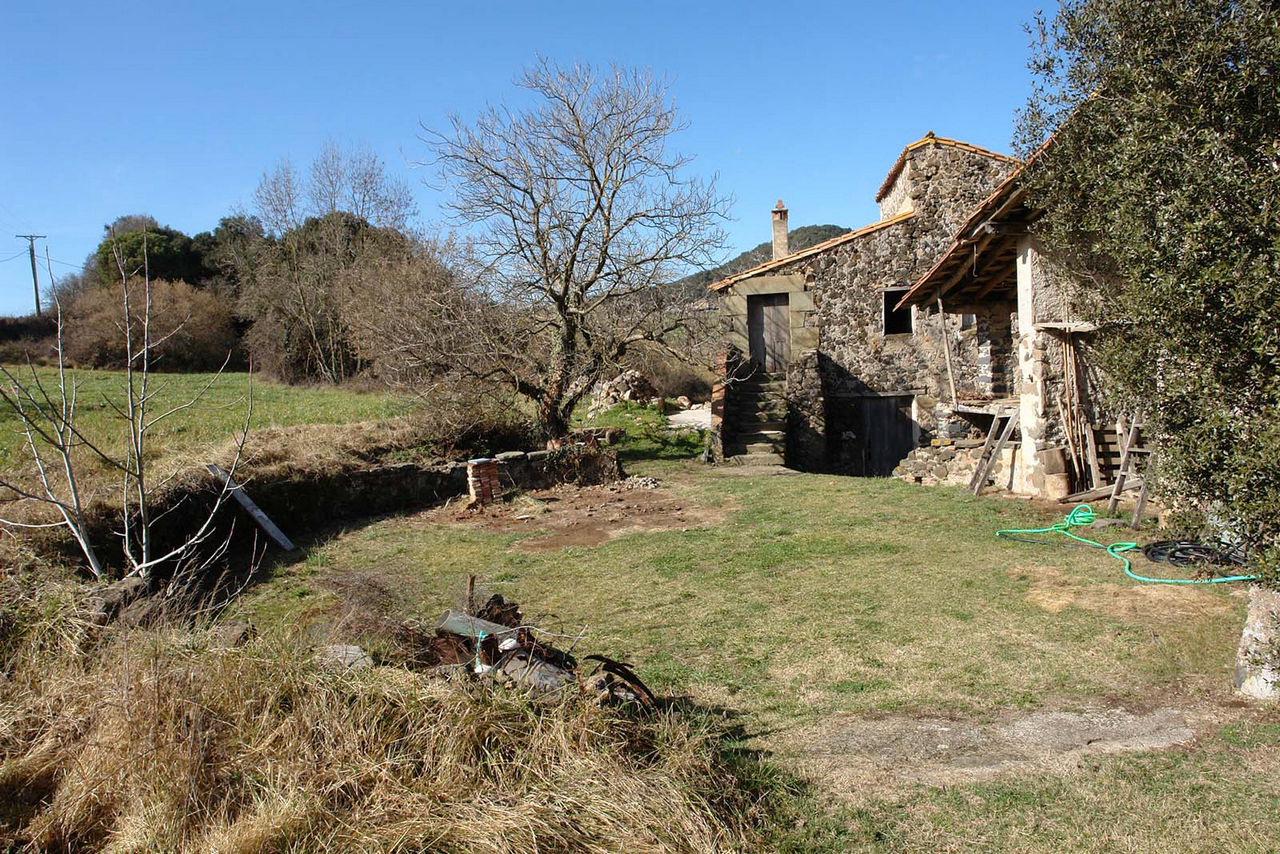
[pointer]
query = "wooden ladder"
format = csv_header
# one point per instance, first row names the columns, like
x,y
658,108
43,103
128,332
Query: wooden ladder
x,y
992,447
1128,453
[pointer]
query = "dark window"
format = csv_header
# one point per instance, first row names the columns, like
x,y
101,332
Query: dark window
x,y
896,321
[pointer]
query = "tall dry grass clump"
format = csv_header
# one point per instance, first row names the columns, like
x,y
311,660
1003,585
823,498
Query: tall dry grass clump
x,y
129,740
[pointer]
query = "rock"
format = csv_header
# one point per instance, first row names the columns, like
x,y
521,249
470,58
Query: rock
x,y
510,456
1258,657
104,605
683,402
233,635
344,657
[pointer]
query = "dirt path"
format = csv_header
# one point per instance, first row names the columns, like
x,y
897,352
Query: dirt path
x,y
860,755
569,516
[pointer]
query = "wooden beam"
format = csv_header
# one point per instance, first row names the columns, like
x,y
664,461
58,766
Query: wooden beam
x,y
946,348
253,510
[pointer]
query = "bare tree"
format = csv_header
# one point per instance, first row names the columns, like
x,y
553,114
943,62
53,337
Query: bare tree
x,y
55,443
579,218
323,228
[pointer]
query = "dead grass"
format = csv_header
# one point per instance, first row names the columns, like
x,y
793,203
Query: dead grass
x,y
158,741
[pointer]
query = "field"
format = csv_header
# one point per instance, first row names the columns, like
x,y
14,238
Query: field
x,y
947,690
220,413
941,689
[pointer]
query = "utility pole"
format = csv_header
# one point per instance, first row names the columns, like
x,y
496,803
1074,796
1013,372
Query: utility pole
x,y
35,279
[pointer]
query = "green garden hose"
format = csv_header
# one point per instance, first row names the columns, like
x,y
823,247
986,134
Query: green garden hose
x,y
1084,515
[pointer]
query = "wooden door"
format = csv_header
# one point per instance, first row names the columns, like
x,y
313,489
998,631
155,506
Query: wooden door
x,y
887,433
769,330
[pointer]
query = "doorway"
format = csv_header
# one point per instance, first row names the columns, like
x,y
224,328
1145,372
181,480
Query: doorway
x,y
886,433
769,331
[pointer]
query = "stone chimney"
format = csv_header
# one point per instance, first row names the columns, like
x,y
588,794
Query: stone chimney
x,y
780,249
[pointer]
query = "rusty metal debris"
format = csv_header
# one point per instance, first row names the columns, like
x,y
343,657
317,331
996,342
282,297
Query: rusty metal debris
x,y
495,643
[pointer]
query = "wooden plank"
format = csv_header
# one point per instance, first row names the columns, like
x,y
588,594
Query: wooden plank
x,y
1095,468
981,480
253,510
1100,492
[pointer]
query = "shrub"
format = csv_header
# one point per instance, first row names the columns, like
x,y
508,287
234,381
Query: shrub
x,y
196,327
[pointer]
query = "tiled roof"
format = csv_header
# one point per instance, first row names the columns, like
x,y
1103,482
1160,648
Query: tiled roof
x,y
930,139
812,250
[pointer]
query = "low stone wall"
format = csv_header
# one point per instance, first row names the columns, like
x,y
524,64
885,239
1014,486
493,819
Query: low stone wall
x,y
952,463
308,501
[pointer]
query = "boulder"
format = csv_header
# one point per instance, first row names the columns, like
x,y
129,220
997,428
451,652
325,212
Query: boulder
x,y
1258,657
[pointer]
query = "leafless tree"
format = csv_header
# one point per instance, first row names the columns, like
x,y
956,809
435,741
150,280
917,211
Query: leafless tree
x,y
578,218
55,443
323,228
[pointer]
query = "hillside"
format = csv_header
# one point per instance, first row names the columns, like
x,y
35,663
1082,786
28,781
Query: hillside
x,y
797,239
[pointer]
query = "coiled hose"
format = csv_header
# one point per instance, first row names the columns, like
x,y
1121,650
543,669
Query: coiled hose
x,y
1084,515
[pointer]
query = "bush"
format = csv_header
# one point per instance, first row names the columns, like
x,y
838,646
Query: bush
x,y
196,327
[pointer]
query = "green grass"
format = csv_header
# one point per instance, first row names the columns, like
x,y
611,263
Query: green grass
x,y
818,596
220,413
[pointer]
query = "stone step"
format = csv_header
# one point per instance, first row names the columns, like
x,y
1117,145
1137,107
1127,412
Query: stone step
x,y
737,449
758,436
756,460
762,423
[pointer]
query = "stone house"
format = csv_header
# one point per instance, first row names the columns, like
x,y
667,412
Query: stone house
x,y
841,378
892,349
1035,354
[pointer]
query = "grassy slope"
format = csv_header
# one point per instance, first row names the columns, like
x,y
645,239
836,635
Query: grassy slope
x,y
822,594
220,413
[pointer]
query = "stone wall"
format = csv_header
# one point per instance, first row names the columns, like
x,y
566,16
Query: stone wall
x,y
847,284
308,501
953,463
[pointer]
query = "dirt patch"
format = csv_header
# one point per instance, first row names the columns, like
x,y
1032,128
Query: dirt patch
x,y
1054,591
867,756
569,516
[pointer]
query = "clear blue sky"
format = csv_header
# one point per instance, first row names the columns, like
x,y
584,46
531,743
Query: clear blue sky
x,y
176,109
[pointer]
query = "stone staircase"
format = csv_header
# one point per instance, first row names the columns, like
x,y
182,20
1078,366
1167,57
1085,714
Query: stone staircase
x,y
755,431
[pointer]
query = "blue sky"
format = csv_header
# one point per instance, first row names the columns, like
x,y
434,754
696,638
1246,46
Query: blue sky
x,y
177,109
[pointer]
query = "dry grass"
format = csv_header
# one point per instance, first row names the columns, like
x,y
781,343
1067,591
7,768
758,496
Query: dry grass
x,y
113,740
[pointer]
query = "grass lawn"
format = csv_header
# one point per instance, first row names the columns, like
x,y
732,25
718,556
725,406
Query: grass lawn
x,y
842,617
212,423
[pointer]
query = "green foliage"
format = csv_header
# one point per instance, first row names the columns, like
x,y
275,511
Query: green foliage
x,y
1164,178
169,254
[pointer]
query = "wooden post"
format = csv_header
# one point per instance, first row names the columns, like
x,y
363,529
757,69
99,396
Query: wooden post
x,y
471,594
946,348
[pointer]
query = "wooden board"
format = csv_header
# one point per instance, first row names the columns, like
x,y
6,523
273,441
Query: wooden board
x,y
253,510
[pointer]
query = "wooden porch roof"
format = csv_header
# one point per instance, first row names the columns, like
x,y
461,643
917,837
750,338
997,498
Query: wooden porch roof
x,y
981,261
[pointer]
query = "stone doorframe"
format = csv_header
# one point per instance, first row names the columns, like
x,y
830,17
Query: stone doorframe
x,y
733,306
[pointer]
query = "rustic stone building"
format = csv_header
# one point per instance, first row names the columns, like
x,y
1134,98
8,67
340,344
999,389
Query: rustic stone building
x,y
1035,344
897,348
827,371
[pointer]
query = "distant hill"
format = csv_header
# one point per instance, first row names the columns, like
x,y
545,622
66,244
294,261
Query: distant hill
x,y
797,239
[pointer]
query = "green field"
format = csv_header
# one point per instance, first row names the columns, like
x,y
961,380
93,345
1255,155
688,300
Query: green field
x,y
841,617
220,412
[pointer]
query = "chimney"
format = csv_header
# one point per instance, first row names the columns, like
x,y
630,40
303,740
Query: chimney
x,y
780,231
